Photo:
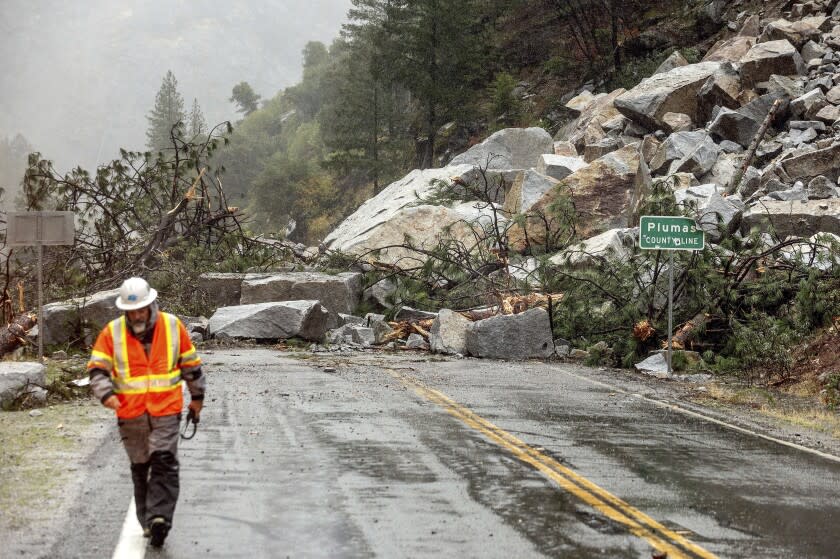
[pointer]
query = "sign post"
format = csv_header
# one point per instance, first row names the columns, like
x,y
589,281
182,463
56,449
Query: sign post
x,y
39,229
664,232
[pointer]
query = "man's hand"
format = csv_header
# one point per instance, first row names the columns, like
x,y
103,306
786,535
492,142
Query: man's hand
x,y
195,407
112,402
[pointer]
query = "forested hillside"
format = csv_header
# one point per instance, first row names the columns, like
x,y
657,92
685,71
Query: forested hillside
x,y
409,84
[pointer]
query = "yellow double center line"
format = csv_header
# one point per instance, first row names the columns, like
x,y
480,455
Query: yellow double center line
x,y
637,522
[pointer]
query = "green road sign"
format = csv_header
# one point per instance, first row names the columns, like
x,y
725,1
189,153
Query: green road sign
x,y
664,232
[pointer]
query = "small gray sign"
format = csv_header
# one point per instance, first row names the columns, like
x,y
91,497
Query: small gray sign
x,y
45,228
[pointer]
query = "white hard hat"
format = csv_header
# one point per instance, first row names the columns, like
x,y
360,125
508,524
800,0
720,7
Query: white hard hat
x,y
135,293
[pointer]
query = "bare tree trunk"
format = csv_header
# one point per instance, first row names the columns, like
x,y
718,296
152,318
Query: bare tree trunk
x,y
736,180
689,329
375,139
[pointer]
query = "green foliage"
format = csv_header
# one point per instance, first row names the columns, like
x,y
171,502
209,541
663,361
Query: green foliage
x,y
505,104
755,323
558,66
760,343
246,99
817,301
145,214
831,391
196,123
167,116
634,71
692,55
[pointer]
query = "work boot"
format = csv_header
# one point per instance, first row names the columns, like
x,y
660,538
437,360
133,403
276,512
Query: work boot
x,y
158,528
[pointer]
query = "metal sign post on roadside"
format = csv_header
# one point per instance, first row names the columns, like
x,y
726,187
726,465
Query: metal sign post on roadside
x,y
664,232
39,229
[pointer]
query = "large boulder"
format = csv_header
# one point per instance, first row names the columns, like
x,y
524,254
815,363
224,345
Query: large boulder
x,y
66,320
810,164
819,251
512,148
18,377
339,293
582,100
271,321
351,234
799,218
352,334
222,289
559,166
514,336
730,50
783,85
721,89
528,188
425,226
717,216
615,244
808,105
380,295
741,125
773,57
674,60
674,91
796,32
723,171
594,118
688,152
601,192
449,333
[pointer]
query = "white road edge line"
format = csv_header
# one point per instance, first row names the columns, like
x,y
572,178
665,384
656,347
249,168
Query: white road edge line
x,y
132,544
695,414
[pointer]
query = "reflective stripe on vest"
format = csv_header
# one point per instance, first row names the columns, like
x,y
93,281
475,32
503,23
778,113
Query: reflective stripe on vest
x,y
155,381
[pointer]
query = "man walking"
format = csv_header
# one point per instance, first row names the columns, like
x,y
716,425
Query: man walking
x,y
136,368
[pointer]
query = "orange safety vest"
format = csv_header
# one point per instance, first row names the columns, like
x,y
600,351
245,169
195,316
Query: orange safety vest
x,y
146,383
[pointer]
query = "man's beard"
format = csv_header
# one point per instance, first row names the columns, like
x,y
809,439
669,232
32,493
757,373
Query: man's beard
x,y
138,327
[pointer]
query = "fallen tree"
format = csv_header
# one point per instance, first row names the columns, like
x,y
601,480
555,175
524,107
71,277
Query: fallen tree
x,y
13,335
161,215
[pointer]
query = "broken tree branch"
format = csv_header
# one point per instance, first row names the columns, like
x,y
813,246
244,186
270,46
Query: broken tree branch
x,y
736,180
12,336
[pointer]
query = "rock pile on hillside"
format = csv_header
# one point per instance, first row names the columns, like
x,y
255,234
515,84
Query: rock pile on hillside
x,y
693,123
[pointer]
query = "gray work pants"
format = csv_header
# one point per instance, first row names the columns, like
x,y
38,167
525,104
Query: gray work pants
x,y
152,447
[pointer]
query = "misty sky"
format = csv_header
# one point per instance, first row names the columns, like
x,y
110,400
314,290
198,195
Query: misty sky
x,y
79,77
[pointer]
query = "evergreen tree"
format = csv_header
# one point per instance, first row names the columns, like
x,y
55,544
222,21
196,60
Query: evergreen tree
x,y
166,114
308,95
197,124
428,48
438,64
363,121
245,97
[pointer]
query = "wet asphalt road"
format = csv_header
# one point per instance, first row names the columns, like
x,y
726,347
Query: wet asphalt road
x,y
293,461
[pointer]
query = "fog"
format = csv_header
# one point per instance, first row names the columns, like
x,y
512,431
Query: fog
x,y
79,78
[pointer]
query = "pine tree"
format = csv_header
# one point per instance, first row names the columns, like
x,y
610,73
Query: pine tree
x,y
429,48
244,96
439,63
197,124
364,118
166,114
